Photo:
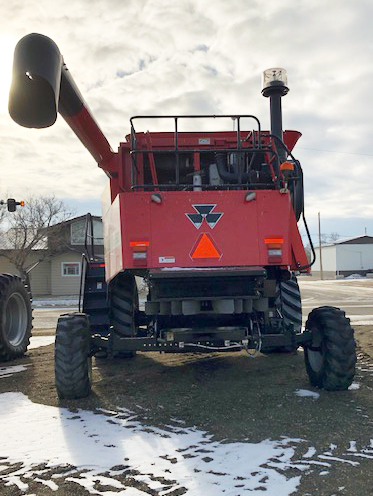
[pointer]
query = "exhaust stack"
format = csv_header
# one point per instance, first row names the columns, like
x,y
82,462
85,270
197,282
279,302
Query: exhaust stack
x,y
275,87
42,86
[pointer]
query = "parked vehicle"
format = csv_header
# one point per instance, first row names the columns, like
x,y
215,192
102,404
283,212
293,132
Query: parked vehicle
x,y
15,309
208,219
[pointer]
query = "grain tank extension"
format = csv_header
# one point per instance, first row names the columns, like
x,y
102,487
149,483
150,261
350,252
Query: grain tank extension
x,y
207,218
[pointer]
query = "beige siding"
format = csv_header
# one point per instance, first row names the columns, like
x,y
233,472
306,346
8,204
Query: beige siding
x,y
64,285
39,276
40,279
47,278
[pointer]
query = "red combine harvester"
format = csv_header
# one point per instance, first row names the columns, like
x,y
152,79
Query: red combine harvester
x,y
208,219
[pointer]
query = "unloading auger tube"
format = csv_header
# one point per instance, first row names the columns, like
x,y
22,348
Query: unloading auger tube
x,y
42,86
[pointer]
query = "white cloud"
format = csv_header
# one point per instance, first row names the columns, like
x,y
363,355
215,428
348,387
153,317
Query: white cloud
x,y
197,56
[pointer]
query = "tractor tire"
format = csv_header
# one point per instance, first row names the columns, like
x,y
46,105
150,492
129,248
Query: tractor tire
x,y
124,303
331,357
16,317
72,360
289,305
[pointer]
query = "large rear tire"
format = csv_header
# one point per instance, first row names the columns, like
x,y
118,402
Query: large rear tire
x,y
331,357
15,317
289,304
124,304
289,307
72,360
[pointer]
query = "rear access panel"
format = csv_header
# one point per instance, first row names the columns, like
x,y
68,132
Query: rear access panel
x,y
203,228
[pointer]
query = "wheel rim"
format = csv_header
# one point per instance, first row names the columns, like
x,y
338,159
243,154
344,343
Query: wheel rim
x,y
316,360
15,319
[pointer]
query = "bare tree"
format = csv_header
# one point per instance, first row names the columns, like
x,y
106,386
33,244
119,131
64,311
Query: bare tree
x,y
333,237
2,213
329,238
324,238
3,207
31,230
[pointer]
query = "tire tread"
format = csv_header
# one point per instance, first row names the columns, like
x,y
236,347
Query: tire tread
x,y
72,363
338,348
9,284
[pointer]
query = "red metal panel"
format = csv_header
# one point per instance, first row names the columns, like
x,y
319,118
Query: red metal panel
x,y
237,228
135,224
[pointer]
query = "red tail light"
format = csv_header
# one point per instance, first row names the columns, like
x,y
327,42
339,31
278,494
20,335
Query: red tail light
x,y
140,253
274,249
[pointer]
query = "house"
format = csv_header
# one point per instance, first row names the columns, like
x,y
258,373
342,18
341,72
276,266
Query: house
x,y
57,264
344,257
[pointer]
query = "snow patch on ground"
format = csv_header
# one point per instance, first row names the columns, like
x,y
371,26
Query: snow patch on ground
x,y
162,460
55,302
304,393
109,452
11,369
37,341
354,386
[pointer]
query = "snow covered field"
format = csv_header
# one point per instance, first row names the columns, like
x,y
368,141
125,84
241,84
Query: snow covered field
x,y
107,452
355,297
115,442
38,341
112,452
121,452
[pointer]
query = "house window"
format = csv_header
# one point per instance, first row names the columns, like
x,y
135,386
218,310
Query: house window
x,y
70,269
77,230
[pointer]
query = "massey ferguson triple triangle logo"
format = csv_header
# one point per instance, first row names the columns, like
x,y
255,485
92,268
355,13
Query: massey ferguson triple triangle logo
x,y
204,212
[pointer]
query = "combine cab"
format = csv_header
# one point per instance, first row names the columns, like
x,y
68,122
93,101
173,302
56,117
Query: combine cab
x,y
208,219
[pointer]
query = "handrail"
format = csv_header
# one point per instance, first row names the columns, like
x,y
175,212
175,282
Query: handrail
x,y
89,224
176,150
198,116
82,278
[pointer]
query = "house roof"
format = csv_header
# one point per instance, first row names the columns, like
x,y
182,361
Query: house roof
x,y
5,244
357,240
76,219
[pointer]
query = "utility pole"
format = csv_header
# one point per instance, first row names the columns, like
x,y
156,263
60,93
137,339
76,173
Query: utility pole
x,y
321,271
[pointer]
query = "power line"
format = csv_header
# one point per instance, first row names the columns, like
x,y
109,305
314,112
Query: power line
x,y
334,151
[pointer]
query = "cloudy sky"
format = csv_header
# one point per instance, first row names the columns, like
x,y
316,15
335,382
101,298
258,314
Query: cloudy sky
x,y
133,57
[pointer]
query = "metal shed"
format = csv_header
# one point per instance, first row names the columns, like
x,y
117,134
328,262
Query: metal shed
x,y
344,257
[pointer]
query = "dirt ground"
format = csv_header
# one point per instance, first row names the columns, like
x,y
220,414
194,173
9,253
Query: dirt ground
x,y
364,339
231,396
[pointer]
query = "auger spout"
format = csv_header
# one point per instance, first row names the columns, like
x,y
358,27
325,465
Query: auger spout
x,y
42,86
